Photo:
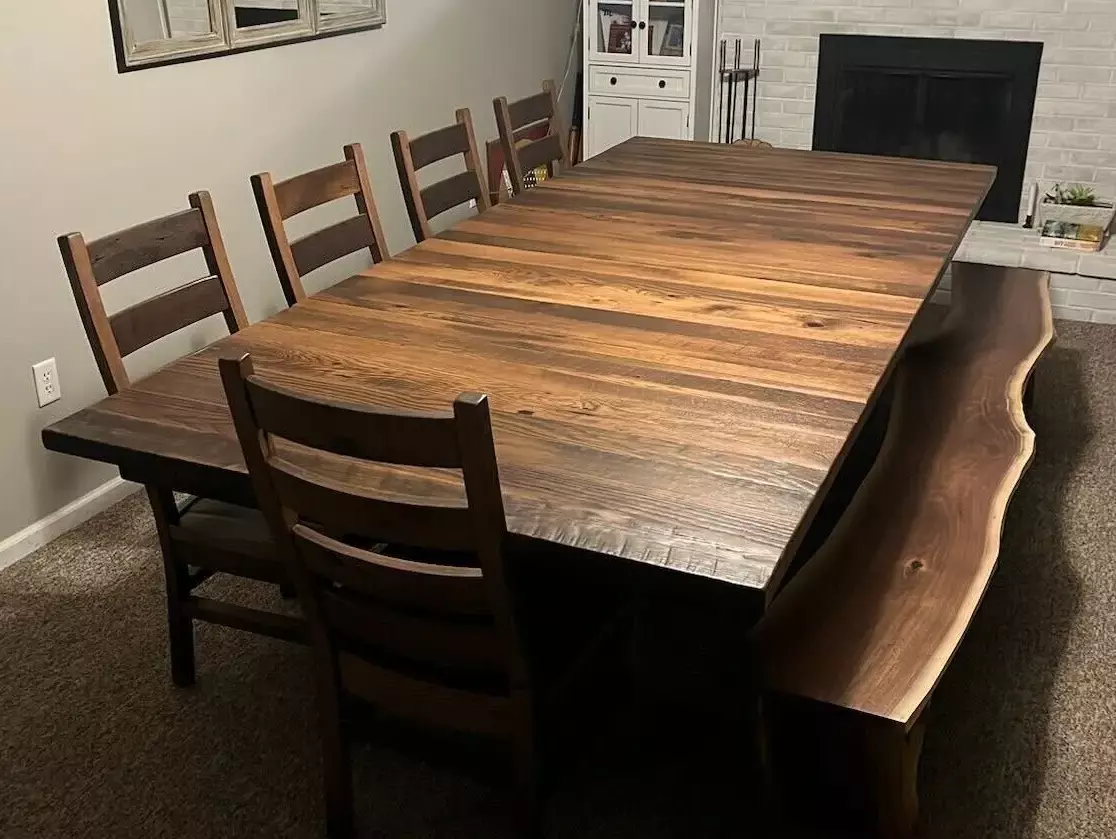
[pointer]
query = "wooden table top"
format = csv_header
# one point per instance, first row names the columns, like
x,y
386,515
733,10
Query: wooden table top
x,y
678,340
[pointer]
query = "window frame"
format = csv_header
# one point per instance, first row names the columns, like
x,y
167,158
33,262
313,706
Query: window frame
x,y
228,40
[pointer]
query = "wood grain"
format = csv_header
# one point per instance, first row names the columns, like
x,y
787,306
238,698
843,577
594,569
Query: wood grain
x,y
424,204
673,382
277,202
872,620
522,150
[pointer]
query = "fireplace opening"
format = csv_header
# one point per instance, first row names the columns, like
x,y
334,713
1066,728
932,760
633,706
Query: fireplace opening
x,y
933,98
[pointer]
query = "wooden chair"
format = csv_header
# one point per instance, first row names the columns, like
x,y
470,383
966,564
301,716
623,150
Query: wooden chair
x,y
412,155
513,120
495,164
428,634
279,202
207,535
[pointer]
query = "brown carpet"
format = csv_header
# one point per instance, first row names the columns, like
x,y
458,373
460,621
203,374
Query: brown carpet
x,y
94,740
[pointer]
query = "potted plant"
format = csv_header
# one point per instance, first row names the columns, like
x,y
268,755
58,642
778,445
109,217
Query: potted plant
x,y
1074,204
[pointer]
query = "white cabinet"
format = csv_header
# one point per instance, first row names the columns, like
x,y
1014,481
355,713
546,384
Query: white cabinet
x,y
613,121
641,71
669,120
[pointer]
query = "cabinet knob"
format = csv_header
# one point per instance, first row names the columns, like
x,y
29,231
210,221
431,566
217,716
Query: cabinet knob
x,y
633,23
612,80
643,24
662,83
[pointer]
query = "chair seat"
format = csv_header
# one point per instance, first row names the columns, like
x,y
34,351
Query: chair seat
x,y
228,538
222,522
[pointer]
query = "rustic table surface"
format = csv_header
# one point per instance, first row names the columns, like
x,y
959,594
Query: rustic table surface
x,y
679,341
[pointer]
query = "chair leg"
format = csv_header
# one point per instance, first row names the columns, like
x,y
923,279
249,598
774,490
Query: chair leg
x,y
894,755
180,628
337,769
526,767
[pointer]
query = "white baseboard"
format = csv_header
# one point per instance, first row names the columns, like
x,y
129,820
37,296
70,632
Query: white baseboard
x,y
47,529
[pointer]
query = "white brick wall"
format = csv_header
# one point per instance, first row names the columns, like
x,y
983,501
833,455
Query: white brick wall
x,y
1074,132
1072,297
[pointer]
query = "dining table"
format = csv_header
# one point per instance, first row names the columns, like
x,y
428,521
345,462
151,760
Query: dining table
x,y
680,342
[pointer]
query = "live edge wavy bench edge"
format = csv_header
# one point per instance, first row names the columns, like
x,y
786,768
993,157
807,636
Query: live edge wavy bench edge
x,y
873,619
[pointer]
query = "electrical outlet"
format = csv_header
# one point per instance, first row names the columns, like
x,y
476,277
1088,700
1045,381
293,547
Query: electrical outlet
x,y
46,382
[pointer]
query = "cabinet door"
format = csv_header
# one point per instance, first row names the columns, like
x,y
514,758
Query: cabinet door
x,y
611,28
666,30
611,121
668,120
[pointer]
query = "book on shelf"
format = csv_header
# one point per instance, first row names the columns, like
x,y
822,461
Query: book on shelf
x,y
1072,236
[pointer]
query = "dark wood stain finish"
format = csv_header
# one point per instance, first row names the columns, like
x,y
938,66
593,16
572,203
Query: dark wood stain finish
x,y
424,204
278,202
206,535
514,121
678,341
871,622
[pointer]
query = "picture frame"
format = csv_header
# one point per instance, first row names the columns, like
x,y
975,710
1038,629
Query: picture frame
x,y
620,38
675,39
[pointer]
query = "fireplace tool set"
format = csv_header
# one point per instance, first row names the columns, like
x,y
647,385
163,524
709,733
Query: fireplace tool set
x,y
729,105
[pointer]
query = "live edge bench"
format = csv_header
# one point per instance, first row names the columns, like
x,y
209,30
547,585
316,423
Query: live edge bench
x,y
871,621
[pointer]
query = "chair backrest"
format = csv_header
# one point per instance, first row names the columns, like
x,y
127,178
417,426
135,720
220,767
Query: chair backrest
x,y
424,204
94,264
511,120
278,202
413,612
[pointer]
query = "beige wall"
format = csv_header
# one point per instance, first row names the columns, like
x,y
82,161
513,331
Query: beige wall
x,y
82,147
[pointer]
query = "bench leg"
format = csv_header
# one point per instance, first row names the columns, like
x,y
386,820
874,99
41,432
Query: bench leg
x,y
893,755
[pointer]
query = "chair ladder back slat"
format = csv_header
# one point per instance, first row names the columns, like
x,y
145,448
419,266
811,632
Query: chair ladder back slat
x,y
533,109
452,192
540,152
438,145
159,316
411,439
451,589
331,243
442,528
312,189
121,253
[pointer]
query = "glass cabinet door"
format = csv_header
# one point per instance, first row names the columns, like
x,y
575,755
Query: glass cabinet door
x,y
612,30
666,38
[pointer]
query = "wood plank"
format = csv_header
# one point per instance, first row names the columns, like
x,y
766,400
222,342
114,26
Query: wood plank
x,y
139,325
323,246
673,382
139,246
872,620
301,193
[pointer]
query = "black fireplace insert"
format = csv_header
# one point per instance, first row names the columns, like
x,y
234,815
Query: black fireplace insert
x,y
932,98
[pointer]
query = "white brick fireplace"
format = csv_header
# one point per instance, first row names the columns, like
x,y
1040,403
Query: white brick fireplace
x,y
1073,136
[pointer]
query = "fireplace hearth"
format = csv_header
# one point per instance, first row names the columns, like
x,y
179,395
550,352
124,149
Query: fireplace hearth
x,y
933,98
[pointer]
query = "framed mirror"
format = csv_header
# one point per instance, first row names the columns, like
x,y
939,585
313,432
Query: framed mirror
x,y
149,33
262,21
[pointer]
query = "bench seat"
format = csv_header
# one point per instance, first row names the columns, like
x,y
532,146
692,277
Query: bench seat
x,y
871,621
